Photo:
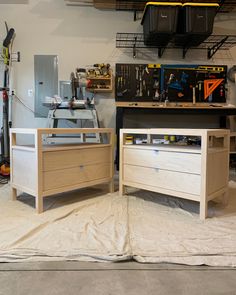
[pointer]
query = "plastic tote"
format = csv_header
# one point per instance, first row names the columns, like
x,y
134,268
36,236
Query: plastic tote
x,y
160,22
195,23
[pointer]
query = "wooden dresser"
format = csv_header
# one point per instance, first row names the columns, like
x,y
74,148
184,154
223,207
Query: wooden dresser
x,y
197,172
44,170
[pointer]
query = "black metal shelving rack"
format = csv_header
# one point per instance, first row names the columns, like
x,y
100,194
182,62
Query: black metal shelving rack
x,y
227,6
212,44
138,5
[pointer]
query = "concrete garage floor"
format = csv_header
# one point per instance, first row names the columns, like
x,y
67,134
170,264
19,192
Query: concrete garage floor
x,y
114,278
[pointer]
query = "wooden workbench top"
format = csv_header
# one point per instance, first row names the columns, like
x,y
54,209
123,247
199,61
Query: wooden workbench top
x,y
172,105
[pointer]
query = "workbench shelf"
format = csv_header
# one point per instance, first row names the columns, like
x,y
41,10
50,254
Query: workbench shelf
x,y
212,44
44,170
199,173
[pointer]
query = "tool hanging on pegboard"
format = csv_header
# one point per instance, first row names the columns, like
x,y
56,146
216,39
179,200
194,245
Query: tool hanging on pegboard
x,y
137,82
195,83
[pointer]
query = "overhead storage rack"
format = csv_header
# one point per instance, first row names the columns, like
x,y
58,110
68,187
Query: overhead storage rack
x,y
225,5
212,44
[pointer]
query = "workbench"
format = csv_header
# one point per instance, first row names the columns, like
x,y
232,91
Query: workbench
x,y
44,170
180,115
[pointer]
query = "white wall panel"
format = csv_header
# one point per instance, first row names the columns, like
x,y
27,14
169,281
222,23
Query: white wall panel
x,y
83,36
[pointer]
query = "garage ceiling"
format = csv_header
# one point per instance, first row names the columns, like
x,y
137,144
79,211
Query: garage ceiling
x,y
14,1
79,2
226,5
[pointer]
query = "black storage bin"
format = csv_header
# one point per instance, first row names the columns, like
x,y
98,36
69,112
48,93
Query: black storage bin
x,y
195,23
160,22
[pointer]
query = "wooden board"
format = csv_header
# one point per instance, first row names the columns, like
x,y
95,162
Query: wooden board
x,y
172,105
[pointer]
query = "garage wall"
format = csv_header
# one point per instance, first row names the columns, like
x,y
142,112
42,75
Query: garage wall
x,y
81,36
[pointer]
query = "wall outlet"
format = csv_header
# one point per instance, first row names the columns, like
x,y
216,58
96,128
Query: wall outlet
x,y
30,92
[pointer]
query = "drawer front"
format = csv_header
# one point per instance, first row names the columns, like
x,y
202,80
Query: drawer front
x,y
72,158
177,181
174,161
75,175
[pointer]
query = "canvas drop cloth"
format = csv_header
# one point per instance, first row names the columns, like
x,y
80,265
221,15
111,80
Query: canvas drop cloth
x,y
90,225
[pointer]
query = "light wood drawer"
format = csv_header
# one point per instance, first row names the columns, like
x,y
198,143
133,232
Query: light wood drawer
x,y
72,158
174,161
75,175
182,182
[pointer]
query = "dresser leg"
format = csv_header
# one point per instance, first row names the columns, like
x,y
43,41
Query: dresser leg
x,y
111,186
225,198
39,204
203,210
14,194
122,190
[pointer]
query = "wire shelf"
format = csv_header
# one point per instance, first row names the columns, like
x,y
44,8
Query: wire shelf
x,y
212,44
225,5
